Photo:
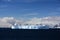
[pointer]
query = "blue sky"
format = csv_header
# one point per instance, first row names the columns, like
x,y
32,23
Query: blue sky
x,y
29,8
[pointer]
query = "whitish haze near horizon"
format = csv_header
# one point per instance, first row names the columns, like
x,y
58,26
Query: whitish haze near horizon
x,y
9,21
33,10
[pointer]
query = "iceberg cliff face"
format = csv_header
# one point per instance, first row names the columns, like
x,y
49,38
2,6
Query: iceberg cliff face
x,y
25,27
16,26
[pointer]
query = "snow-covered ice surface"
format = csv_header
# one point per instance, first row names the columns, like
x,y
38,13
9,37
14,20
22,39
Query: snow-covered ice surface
x,y
15,26
30,27
37,26
25,27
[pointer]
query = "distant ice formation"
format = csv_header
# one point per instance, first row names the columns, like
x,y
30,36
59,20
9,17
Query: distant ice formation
x,y
37,26
16,26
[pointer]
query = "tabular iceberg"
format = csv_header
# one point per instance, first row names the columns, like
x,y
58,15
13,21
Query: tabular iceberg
x,y
16,26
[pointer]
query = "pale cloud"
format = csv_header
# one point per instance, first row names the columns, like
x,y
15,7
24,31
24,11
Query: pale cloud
x,y
4,22
9,21
33,21
4,25
45,20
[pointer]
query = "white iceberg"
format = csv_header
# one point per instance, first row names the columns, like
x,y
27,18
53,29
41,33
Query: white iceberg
x,y
16,26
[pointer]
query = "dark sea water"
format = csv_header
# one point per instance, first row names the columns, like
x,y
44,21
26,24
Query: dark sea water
x,y
21,34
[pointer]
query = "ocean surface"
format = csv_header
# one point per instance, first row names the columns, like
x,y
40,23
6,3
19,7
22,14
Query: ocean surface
x,y
29,34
